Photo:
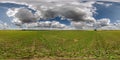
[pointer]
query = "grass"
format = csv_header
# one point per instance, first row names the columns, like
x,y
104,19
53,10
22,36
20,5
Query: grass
x,y
60,44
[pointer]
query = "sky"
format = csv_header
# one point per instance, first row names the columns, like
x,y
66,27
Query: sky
x,y
60,14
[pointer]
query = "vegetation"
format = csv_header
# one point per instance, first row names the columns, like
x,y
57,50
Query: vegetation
x,y
58,44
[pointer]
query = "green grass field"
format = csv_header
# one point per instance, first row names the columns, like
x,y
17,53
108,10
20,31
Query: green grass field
x,y
88,45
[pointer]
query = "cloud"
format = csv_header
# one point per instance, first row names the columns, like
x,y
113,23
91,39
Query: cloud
x,y
105,4
82,25
3,25
90,25
79,13
75,12
17,22
102,22
22,15
112,26
47,24
109,0
109,28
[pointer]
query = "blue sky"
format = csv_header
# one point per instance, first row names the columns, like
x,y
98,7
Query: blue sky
x,y
111,12
99,15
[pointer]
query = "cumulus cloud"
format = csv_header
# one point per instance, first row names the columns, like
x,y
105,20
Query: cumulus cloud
x,y
112,26
102,22
22,15
99,24
82,25
17,22
74,11
47,24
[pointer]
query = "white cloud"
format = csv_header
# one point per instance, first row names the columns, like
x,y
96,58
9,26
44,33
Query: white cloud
x,y
105,4
102,22
82,25
17,22
55,24
109,28
90,25
3,25
47,24
11,12
115,26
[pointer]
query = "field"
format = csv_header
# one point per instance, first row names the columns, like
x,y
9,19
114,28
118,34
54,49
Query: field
x,y
60,45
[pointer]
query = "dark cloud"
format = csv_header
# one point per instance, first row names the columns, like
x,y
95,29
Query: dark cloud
x,y
71,12
22,15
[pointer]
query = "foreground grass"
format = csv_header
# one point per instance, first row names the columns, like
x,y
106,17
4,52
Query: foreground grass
x,y
60,44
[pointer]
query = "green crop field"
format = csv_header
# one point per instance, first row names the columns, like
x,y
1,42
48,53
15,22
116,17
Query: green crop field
x,y
60,45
